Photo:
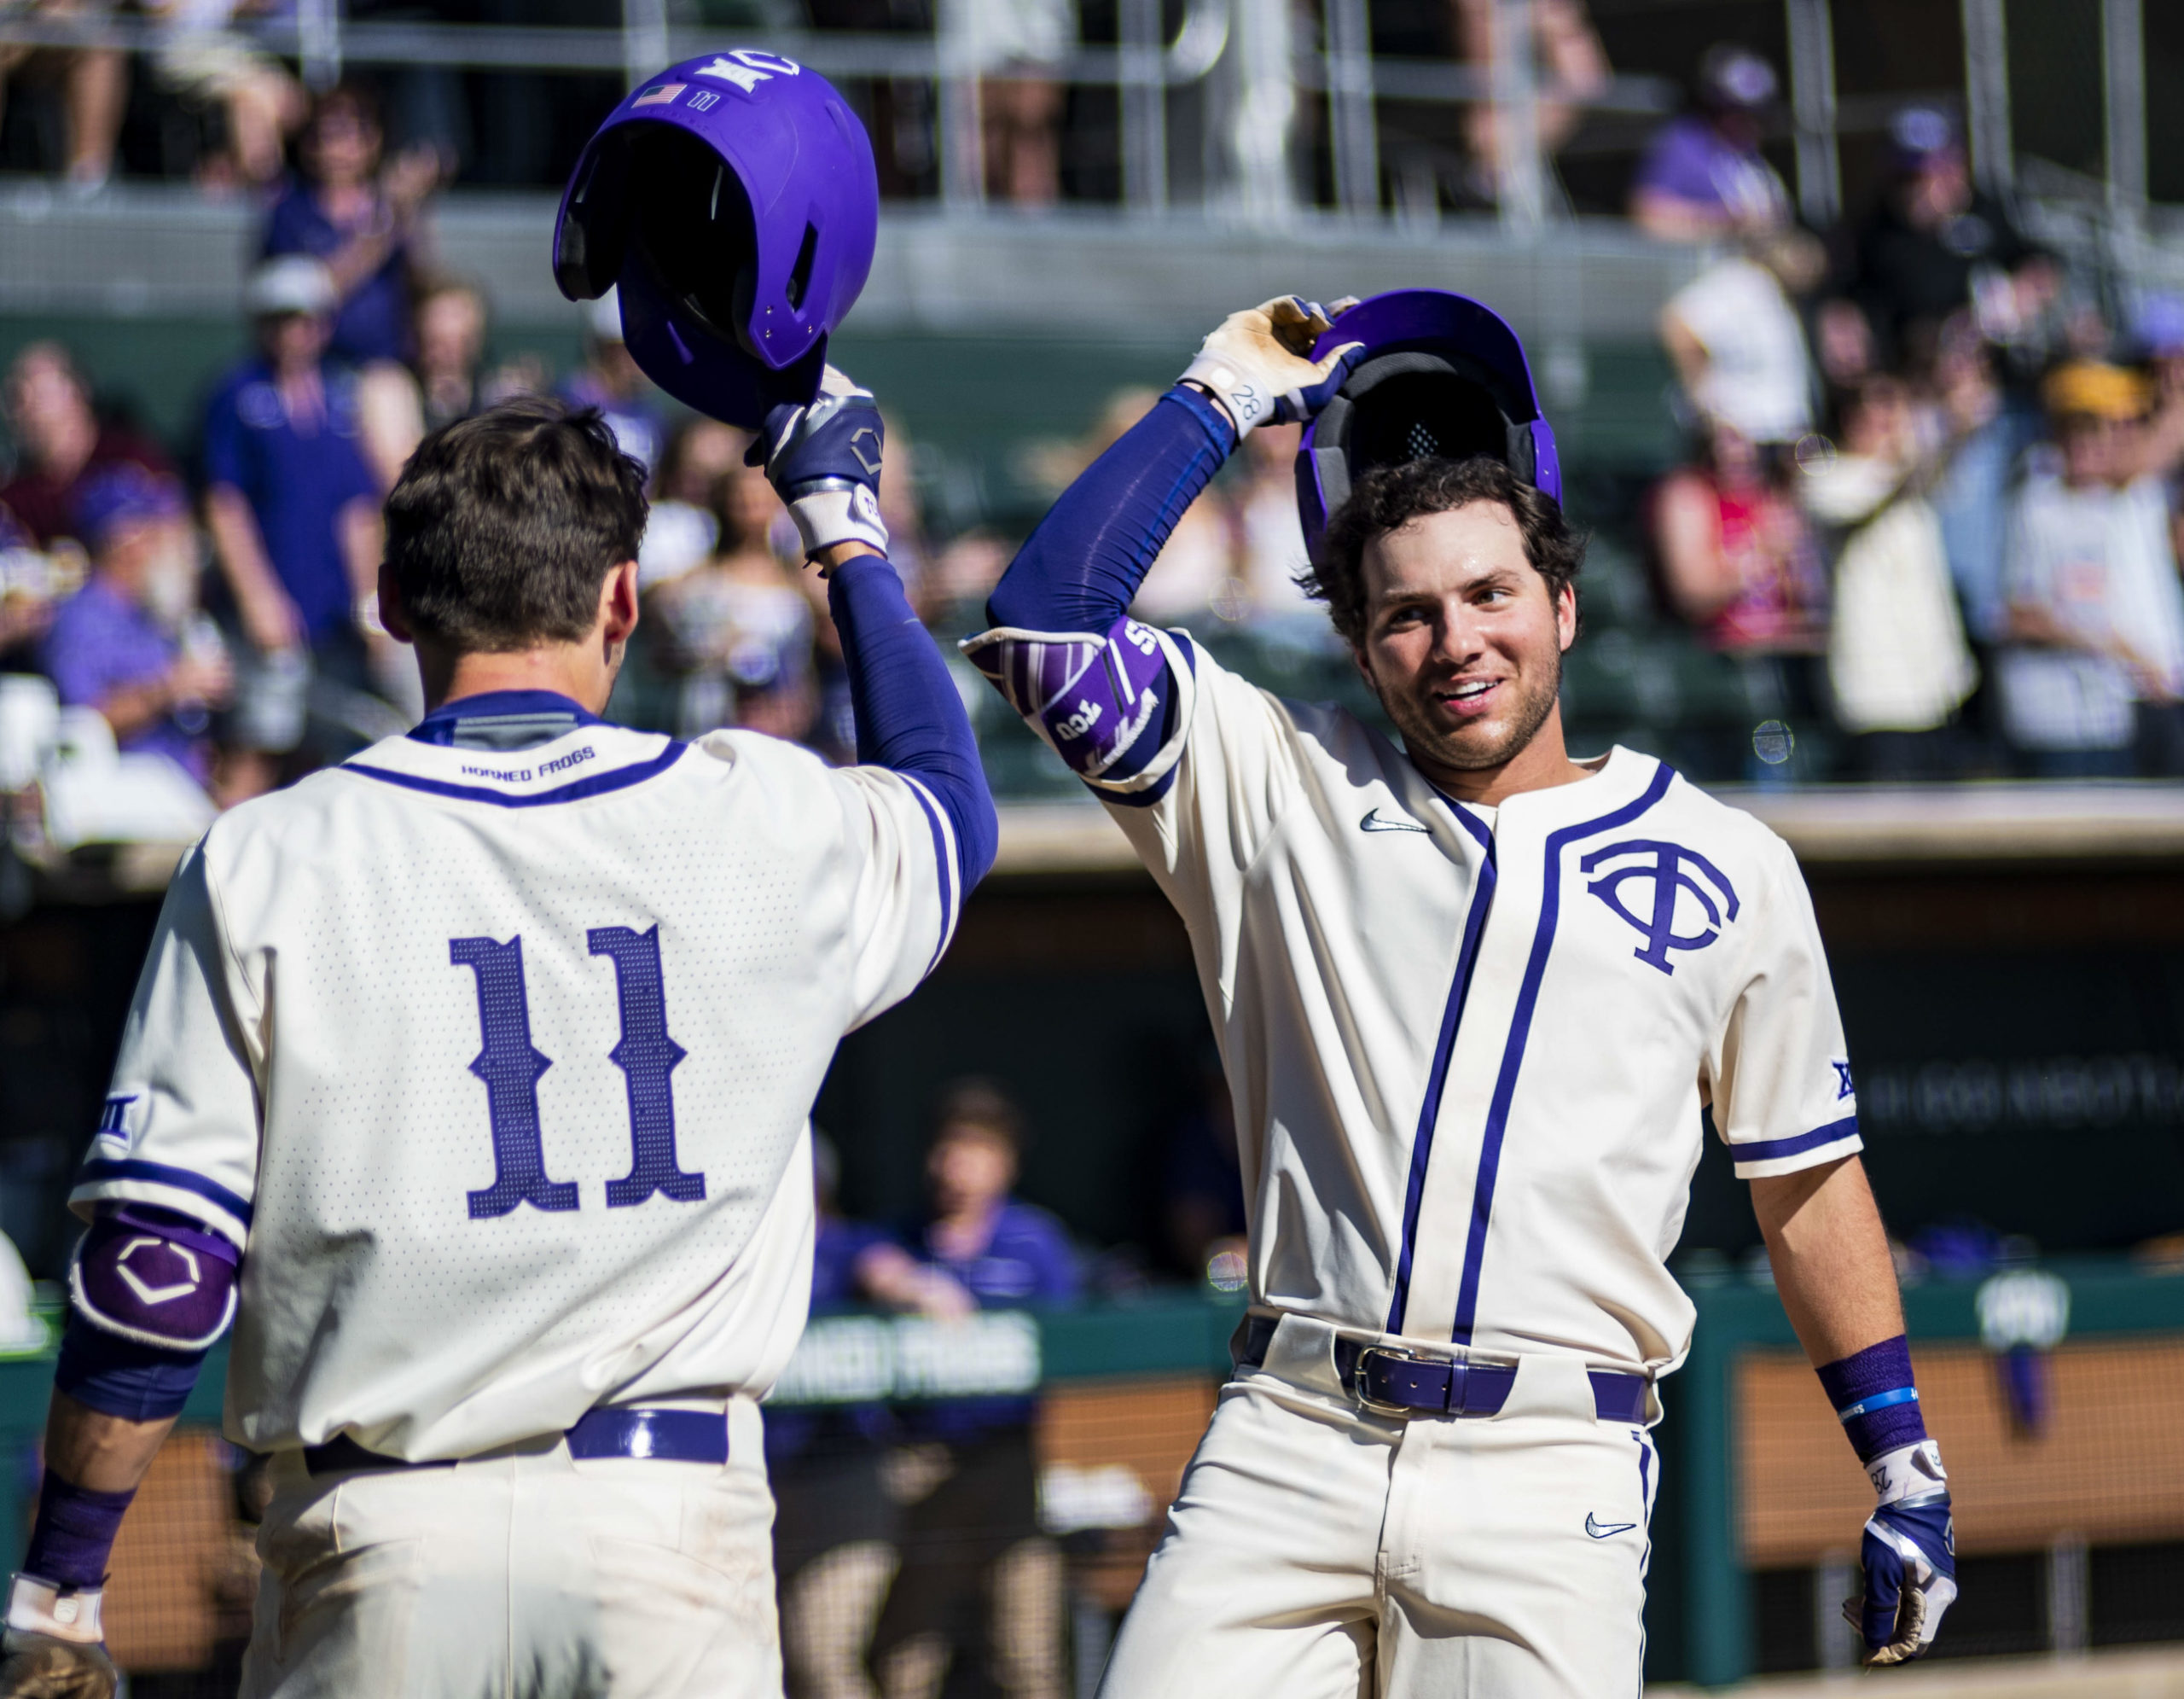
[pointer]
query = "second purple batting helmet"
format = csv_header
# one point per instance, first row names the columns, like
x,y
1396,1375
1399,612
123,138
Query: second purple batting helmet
x,y
732,200
1442,377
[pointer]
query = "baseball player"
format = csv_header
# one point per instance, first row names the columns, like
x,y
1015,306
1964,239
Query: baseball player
x,y
470,1080
1471,995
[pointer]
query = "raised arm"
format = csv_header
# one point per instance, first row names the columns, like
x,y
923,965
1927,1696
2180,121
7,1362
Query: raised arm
x,y
824,461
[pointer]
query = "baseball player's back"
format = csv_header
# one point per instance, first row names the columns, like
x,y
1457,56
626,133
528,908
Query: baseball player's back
x,y
471,1080
535,1030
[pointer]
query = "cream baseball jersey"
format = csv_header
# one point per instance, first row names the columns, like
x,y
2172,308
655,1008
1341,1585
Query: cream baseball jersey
x,y
1469,1047
497,1064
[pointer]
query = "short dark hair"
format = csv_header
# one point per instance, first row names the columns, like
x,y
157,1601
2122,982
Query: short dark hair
x,y
503,526
1388,497
979,1107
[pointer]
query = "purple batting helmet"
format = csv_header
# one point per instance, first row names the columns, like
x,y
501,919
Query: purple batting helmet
x,y
1442,377
733,200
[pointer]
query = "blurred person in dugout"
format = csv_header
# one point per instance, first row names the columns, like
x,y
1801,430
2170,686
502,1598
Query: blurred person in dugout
x,y
611,380
1574,69
1736,561
2091,681
1898,666
60,441
32,585
977,1607
1017,47
836,1529
294,513
737,630
204,61
1702,177
1737,340
132,643
94,83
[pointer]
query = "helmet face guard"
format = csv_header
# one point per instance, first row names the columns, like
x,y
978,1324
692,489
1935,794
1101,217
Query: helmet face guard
x,y
734,202
1442,377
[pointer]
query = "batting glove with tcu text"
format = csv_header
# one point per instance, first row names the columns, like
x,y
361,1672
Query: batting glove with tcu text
x,y
52,1647
1908,1555
1258,363
823,460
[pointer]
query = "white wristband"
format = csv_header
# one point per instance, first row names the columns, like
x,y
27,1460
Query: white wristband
x,y
1908,1472
1247,403
38,1607
837,511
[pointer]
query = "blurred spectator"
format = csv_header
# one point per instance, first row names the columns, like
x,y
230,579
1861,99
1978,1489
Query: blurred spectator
x,y
206,62
741,625
1971,497
978,1577
835,1526
1702,177
1736,559
681,531
449,337
359,220
1932,246
2095,607
1897,662
125,643
292,506
59,440
611,380
95,83
32,585
1569,52
1016,45
1737,342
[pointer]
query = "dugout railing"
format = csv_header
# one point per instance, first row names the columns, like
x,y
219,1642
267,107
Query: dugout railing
x,y
2053,1390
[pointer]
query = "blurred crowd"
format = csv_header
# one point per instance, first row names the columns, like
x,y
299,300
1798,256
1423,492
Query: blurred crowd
x,y
1933,493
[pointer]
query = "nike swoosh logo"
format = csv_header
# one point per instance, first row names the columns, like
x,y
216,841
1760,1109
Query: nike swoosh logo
x,y
1374,821
1600,1530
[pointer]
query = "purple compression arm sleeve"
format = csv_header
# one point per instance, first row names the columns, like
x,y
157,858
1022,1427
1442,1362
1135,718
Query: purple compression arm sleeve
x,y
908,716
1868,1389
73,1535
1081,569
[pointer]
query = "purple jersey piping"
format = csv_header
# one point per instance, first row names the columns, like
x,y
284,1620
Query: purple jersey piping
x,y
1437,1078
1520,1027
597,785
1768,1149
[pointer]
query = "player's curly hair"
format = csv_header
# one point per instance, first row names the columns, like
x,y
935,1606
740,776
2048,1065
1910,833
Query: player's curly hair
x,y
1388,497
503,527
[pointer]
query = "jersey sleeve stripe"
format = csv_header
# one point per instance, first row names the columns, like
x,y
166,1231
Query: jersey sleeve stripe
x,y
1773,1149
944,856
597,784
161,1173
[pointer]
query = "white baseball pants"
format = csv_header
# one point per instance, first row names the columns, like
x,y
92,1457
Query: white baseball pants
x,y
1317,1552
521,1575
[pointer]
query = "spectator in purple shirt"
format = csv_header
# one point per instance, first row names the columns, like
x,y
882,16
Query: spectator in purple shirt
x,y
356,220
1704,178
978,1577
115,645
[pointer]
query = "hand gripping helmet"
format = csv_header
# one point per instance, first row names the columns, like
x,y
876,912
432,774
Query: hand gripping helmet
x,y
1442,377
734,202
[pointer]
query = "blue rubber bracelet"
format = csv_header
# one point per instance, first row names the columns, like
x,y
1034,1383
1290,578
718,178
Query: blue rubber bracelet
x,y
1866,1407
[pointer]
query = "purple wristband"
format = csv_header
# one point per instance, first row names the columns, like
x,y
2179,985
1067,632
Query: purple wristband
x,y
73,1535
1875,1398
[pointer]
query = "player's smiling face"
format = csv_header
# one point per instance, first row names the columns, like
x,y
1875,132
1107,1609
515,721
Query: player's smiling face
x,y
1463,641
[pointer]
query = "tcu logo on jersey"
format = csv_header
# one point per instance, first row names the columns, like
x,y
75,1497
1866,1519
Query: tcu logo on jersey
x,y
1674,873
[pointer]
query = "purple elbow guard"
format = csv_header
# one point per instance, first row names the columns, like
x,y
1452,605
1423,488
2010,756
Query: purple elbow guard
x,y
1101,702
155,1278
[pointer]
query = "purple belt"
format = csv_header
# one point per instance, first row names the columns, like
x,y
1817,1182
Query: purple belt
x,y
662,1435
1389,1381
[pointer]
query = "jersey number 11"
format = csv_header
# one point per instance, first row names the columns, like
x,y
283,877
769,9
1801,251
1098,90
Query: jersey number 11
x,y
510,1065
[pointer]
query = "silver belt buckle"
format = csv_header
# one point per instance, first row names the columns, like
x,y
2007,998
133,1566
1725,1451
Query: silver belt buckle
x,y
1365,1399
